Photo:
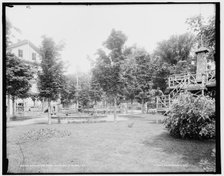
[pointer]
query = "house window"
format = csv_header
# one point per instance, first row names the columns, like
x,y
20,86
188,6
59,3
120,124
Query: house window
x,y
20,53
34,56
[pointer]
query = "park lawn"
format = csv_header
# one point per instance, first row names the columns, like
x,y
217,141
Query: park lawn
x,y
136,145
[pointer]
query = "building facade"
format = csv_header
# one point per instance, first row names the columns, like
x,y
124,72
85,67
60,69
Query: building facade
x,y
30,55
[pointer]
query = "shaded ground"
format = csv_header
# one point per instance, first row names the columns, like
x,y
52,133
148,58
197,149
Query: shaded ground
x,y
136,145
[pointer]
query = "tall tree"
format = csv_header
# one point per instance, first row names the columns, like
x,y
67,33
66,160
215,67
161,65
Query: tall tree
x,y
51,76
107,70
176,48
129,69
144,74
18,76
137,73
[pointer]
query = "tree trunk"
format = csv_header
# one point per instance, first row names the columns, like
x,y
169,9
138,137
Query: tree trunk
x,y
59,119
49,111
106,105
147,107
13,106
8,109
77,105
143,106
126,108
42,105
115,108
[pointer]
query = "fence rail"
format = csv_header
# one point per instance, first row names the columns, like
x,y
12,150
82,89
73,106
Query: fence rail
x,y
191,79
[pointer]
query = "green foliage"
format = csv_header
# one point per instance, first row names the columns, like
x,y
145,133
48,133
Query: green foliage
x,y
129,68
115,43
160,75
183,67
107,70
176,48
87,93
143,76
69,89
137,74
84,90
205,32
95,91
51,77
18,76
192,117
204,29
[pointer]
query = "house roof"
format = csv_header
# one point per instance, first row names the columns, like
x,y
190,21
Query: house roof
x,y
202,49
24,42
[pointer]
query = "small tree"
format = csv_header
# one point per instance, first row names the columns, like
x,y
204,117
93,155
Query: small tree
x,y
68,92
18,76
51,76
96,91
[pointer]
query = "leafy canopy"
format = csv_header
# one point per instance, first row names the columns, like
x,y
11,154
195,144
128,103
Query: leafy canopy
x,y
176,48
107,71
18,76
205,32
51,76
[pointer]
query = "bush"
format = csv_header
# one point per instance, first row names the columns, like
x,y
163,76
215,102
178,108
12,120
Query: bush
x,y
191,117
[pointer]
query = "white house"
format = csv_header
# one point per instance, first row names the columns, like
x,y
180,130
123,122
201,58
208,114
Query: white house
x,y
30,54
25,50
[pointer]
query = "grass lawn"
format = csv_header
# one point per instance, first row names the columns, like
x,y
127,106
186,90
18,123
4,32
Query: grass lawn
x,y
136,145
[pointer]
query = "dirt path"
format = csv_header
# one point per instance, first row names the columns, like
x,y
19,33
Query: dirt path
x,y
137,145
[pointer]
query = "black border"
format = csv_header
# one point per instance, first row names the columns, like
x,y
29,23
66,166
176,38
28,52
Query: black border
x,y
218,101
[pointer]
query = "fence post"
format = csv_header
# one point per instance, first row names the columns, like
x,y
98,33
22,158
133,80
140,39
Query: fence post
x,y
157,102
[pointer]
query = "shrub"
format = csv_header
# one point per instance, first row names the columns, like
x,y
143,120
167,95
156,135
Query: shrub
x,y
192,117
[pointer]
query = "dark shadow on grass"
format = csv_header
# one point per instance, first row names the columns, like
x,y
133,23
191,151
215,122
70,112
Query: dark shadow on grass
x,y
130,116
21,118
193,151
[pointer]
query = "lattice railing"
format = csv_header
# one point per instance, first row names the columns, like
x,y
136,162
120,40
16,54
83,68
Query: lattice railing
x,y
176,80
163,102
189,79
210,75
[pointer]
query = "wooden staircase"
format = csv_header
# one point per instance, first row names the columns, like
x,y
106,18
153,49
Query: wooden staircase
x,y
164,102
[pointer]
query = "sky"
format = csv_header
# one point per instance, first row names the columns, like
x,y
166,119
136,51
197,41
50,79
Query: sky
x,y
83,29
